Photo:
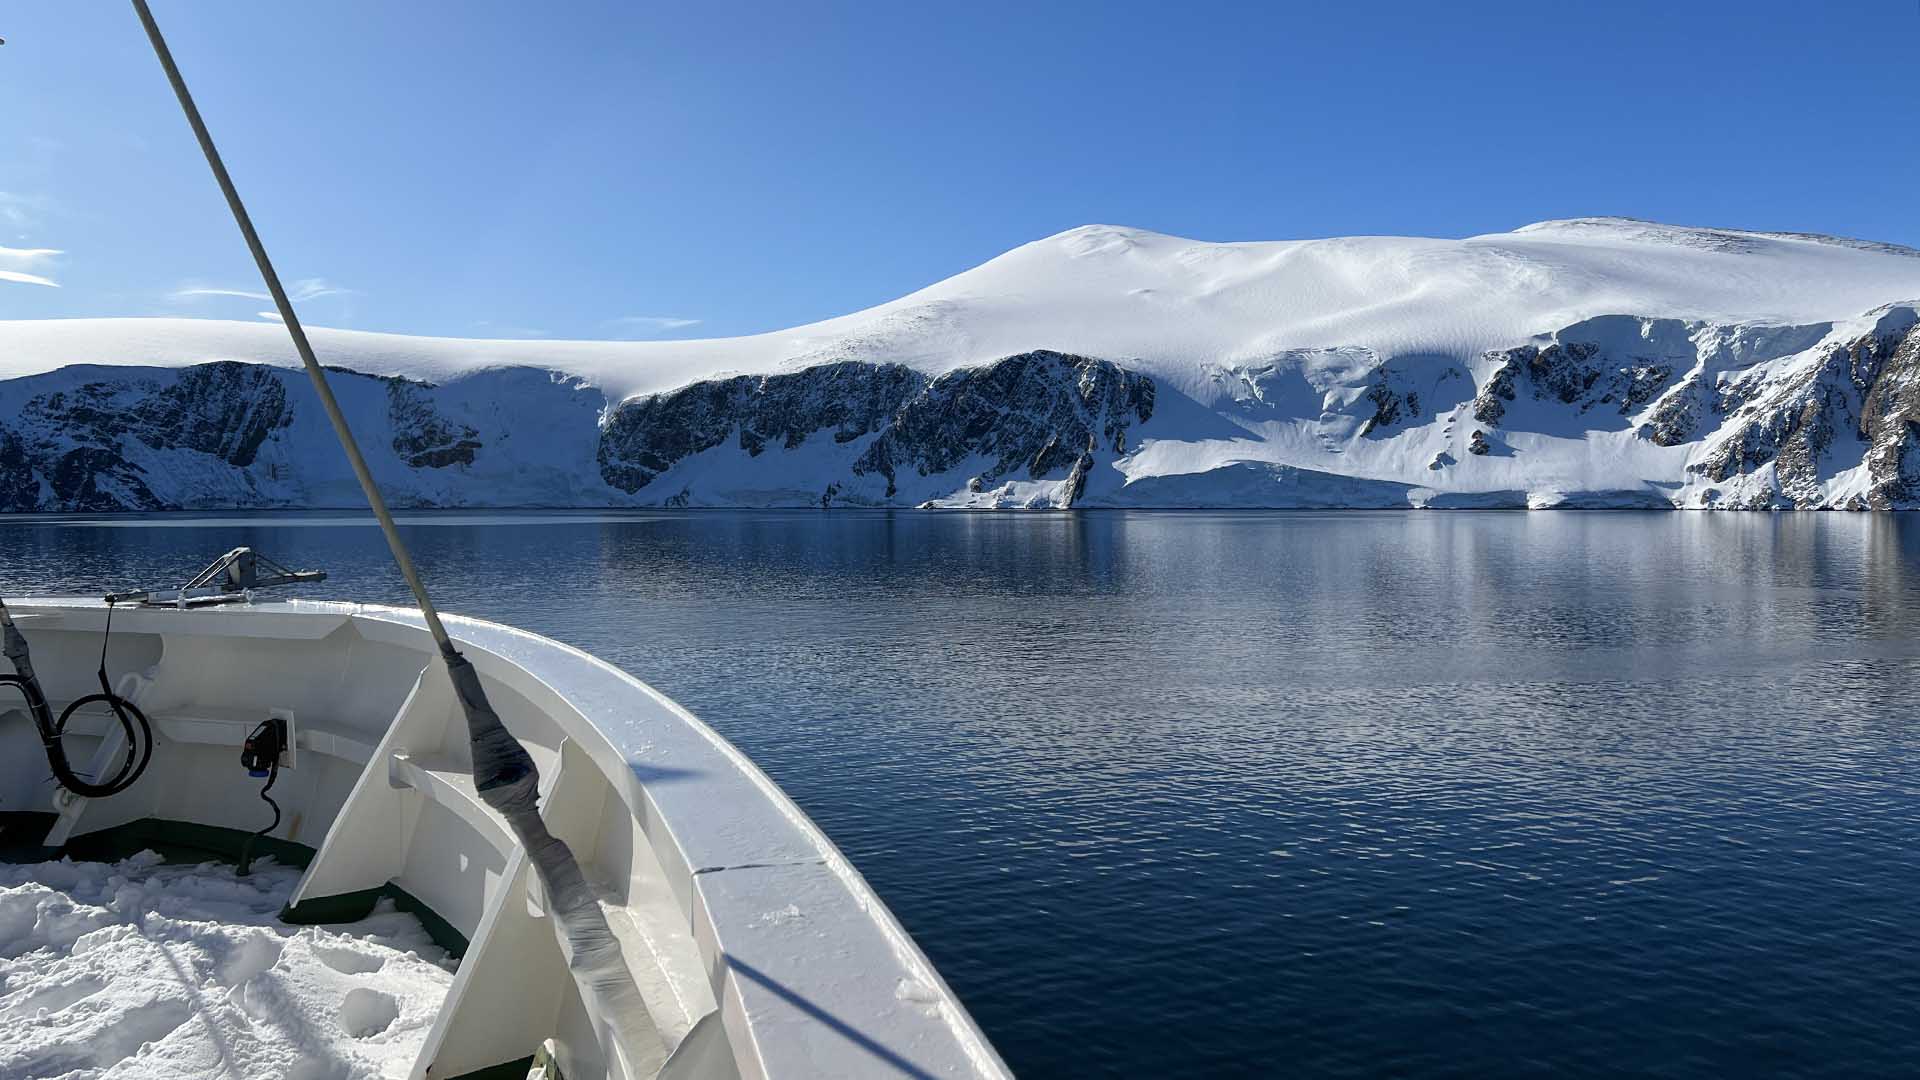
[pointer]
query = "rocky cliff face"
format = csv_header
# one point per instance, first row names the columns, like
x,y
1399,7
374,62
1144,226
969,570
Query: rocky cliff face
x,y
1851,408
1613,411
1579,374
1768,417
1035,416
881,433
233,435
649,436
63,448
422,437
1029,429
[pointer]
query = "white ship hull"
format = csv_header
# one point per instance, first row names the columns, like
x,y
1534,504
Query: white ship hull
x,y
757,948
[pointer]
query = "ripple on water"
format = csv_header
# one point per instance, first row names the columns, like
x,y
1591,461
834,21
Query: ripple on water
x,y
1439,794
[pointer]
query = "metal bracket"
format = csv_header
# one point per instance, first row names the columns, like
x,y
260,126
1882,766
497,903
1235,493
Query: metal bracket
x,y
230,577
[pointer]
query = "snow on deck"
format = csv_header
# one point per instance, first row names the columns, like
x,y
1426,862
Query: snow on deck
x,y
143,969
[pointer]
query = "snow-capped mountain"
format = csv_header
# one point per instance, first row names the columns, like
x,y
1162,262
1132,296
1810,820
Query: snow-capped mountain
x,y
1593,362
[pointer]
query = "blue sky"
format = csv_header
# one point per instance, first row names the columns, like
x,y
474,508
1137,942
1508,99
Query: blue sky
x,y
675,170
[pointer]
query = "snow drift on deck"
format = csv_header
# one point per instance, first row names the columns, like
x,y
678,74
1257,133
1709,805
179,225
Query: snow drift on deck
x,y
141,969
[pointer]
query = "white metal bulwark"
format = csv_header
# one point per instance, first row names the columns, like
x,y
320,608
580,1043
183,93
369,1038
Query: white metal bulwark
x,y
757,949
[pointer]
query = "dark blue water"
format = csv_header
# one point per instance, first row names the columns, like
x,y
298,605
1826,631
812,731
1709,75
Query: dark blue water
x,y
1421,794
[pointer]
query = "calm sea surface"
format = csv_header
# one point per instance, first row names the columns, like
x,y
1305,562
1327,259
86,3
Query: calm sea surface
x,y
1354,794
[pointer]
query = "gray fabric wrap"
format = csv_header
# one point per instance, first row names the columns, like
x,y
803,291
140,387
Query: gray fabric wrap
x,y
16,645
509,782
15,648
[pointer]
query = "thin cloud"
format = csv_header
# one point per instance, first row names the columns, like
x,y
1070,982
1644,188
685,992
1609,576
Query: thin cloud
x,y
315,288
21,211
28,279
16,262
272,315
189,294
488,326
647,325
301,291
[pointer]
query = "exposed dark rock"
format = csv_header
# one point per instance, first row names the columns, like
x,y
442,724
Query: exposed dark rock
x,y
224,409
19,488
1890,422
1641,383
1076,485
95,478
1769,417
1392,403
93,445
1866,388
1676,416
1037,413
1570,373
1561,371
76,439
1490,405
423,437
647,436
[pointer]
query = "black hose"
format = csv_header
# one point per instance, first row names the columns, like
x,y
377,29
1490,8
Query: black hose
x,y
133,723
246,849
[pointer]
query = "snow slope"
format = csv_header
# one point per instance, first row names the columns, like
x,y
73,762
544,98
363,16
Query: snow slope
x,y
166,972
1163,304
1357,365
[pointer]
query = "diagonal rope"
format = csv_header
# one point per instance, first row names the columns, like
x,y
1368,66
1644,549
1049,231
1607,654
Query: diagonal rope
x,y
503,772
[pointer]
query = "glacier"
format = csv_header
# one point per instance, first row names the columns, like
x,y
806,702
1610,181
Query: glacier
x,y
1595,362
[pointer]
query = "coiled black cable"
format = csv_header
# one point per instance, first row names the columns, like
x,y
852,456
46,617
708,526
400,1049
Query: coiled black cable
x,y
133,723
273,773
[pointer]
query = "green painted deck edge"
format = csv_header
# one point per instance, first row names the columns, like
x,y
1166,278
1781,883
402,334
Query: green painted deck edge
x,y
506,1070
354,906
182,842
190,842
20,834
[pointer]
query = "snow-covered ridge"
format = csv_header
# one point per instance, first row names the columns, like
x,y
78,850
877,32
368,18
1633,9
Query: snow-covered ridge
x,y
1594,361
1694,236
1164,304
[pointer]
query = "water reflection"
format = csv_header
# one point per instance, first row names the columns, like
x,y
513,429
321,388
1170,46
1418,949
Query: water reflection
x,y
1446,794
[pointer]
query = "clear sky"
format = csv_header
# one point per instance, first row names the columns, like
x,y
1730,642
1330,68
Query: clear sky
x,y
646,169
